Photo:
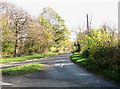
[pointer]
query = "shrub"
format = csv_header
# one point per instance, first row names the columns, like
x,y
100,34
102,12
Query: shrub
x,y
102,47
85,53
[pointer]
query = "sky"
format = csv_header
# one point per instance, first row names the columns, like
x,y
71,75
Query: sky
x,y
74,11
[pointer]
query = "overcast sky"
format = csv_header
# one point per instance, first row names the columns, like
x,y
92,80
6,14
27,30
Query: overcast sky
x,y
74,11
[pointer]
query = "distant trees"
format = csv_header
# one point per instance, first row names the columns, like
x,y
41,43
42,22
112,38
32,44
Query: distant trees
x,y
23,34
54,26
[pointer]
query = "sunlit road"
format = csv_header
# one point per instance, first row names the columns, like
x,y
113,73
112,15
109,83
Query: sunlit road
x,y
59,72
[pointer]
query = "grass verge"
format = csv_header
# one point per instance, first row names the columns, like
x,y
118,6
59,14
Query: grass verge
x,y
22,69
27,57
110,74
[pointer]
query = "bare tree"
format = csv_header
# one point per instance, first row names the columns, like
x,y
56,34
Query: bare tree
x,y
17,20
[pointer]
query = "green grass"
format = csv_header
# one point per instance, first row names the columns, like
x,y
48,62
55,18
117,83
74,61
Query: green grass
x,y
28,57
22,69
111,74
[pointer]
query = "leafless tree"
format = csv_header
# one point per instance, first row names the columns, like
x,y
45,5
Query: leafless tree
x,y
17,20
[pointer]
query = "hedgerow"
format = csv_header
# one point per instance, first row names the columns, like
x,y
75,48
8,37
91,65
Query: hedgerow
x,y
101,47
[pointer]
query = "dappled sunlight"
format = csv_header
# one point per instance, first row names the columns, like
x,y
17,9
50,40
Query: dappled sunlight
x,y
46,48
62,60
81,60
62,64
59,71
82,74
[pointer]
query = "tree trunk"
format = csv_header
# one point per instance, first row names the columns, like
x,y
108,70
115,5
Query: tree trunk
x,y
16,42
16,47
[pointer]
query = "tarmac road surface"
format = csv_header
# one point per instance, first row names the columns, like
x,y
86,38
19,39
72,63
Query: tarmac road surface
x,y
58,72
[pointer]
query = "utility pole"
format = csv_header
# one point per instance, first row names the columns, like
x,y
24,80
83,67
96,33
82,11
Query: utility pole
x,y
87,23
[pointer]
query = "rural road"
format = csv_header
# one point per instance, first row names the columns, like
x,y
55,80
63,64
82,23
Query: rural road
x,y
59,72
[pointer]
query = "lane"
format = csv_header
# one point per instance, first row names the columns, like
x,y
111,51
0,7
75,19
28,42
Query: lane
x,y
14,64
60,72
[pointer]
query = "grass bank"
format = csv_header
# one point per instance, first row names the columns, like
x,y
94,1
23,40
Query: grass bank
x,y
22,69
27,57
110,74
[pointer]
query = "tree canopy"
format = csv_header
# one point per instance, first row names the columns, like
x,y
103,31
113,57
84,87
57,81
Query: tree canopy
x,y
23,34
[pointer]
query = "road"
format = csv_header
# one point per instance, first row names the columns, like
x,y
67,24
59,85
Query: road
x,y
58,72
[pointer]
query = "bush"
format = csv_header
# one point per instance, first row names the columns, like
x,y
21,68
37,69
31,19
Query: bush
x,y
108,57
109,72
103,48
85,53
